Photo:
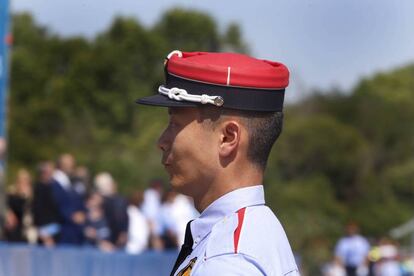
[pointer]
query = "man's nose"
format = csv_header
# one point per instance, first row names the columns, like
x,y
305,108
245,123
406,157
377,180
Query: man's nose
x,y
163,141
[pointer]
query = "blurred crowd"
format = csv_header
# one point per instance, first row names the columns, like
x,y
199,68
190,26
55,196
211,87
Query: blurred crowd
x,y
355,255
63,205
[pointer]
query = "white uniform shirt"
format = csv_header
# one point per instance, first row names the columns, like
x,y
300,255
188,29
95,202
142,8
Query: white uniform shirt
x,y
238,235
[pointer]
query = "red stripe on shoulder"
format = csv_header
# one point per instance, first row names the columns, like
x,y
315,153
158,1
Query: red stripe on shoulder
x,y
240,215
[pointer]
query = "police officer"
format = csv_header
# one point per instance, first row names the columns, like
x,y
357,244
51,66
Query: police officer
x,y
225,113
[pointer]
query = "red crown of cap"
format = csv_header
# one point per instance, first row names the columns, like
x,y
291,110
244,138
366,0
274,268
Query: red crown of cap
x,y
228,69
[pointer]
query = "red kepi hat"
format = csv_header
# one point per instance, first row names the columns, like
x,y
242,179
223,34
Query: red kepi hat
x,y
227,80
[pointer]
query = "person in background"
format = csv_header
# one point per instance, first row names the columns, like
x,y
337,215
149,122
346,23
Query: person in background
x,y
183,212
351,251
151,209
96,231
18,226
69,202
44,208
138,229
176,211
166,225
115,209
81,181
333,268
388,262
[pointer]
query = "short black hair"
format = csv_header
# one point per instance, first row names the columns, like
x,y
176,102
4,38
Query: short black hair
x,y
263,127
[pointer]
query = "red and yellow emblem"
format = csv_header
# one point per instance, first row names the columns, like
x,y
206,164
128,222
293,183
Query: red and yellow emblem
x,y
186,271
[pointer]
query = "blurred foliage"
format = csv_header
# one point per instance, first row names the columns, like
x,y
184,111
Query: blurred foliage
x,y
342,156
77,95
345,157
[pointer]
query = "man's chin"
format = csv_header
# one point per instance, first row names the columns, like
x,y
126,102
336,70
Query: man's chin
x,y
179,187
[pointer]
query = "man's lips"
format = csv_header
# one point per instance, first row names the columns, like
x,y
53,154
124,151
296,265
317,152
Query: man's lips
x,y
167,167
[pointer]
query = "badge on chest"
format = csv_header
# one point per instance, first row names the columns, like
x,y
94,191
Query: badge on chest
x,y
186,271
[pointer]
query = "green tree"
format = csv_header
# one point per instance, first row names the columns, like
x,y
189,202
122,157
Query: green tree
x,y
310,214
77,95
384,114
189,31
321,145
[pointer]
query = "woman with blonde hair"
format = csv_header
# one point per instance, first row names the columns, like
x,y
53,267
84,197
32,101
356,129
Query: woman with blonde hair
x,y
19,226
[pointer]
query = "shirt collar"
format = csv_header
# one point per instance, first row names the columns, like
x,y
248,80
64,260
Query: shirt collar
x,y
225,205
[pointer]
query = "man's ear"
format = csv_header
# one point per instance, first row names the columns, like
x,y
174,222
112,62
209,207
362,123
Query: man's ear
x,y
230,138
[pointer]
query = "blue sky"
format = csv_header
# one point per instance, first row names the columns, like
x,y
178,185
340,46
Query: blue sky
x,y
325,43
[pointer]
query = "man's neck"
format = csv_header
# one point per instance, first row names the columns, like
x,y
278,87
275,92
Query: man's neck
x,y
224,185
